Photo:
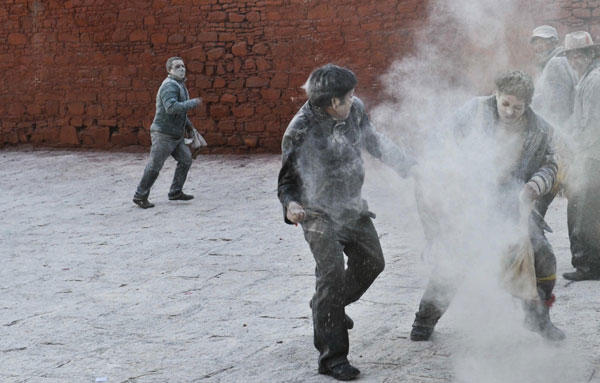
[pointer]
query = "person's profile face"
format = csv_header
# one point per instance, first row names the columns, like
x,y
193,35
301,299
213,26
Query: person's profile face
x,y
510,107
341,106
541,45
578,60
178,69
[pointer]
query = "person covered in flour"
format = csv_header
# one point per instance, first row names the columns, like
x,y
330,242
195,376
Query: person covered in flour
x,y
525,171
168,132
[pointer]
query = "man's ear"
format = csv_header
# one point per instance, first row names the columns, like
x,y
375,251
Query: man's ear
x,y
335,102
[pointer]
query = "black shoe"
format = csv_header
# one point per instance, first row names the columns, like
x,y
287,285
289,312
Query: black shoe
x,y
181,196
344,371
580,275
143,203
420,333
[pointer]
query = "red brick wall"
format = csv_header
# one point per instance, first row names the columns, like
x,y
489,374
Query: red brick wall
x,y
84,73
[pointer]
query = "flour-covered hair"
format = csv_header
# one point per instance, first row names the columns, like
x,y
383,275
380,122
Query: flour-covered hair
x,y
515,83
327,82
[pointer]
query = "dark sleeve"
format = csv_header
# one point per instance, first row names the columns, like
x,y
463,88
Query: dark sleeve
x,y
545,176
169,94
381,147
289,182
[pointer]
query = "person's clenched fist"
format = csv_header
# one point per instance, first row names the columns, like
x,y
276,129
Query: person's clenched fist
x,y
295,212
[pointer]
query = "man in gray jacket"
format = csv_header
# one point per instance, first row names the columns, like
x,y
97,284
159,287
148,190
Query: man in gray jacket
x,y
555,88
584,172
319,187
167,132
527,171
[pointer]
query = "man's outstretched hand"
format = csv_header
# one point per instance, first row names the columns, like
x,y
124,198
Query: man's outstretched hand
x,y
530,192
295,213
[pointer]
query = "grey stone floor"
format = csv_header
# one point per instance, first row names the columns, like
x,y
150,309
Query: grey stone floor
x,y
217,289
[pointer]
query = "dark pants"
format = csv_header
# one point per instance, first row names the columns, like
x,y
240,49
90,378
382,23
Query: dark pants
x,y
443,284
583,219
163,146
337,287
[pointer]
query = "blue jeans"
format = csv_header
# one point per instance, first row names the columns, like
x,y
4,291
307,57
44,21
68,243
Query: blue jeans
x,y
163,146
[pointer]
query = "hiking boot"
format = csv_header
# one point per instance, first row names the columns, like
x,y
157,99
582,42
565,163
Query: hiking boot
x,y
181,196
581,275
143,203
344,371
420,333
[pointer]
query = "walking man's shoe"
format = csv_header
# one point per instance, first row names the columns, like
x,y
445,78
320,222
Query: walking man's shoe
x,y
181,196
581,275
344,371
420,333
143,203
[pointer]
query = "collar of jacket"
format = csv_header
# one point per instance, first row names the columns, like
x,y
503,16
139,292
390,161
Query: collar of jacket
x,y
549,55
322,117
595,64
176,79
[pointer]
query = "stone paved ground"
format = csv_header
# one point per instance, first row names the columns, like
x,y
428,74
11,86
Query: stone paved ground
x,y
217,289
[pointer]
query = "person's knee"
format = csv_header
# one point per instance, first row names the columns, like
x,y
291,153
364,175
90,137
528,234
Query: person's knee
x,y
379,265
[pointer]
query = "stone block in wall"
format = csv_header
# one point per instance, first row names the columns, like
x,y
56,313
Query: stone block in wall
x,y
176,38
242,111
236,17
254,126
68,136
253,17
235,140
49,134
268,94
138,35
271,143
280,81
97,136
207,36
158,38
228,98
215,54
143,137
17,39
240,49
219,111
582,13
124,139
214,139
256,82
250,141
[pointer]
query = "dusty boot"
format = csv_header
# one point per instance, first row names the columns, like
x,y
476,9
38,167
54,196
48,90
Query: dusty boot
x,y
537,319
420,333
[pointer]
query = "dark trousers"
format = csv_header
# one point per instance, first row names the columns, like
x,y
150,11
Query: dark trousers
x,y
337,286
583,218
443,283
163,146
